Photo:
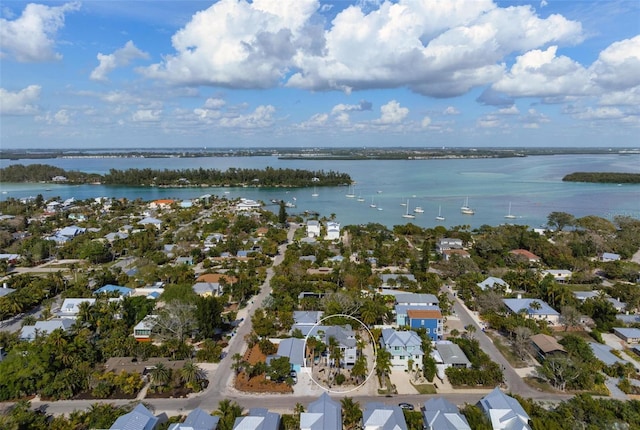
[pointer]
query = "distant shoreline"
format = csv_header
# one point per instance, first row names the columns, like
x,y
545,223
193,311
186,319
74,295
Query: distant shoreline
x,y
603,177
396,153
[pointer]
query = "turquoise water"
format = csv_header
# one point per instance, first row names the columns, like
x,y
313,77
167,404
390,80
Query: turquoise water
x,y
533,186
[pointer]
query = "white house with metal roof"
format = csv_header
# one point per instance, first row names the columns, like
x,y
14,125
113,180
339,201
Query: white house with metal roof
x,y
378,416
440,414
323,414
140,418
629,335
71,307
258,419
504,412
534,309
43,328
198,419
493,283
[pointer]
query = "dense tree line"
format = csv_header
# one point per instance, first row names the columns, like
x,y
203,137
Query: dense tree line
x,y
268,177
603,177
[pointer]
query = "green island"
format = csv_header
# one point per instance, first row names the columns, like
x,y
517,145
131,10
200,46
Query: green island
x,y
603,177
233,177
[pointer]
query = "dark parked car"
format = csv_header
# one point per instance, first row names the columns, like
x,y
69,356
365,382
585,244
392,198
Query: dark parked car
x,y
407,406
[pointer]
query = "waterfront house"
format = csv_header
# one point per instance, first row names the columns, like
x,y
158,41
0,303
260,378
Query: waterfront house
x,y
428,319
378,416
258,419
333,231
161,204
198,419
322,414
313,228
247,205
493,283
504,412
403,346
140,418
546,345
440,414
448,243
629,335
533,309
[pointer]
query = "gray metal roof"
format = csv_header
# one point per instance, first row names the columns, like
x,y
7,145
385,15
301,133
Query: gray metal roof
x,y
451,353
383,417
140,418
603,353
197,419
322,414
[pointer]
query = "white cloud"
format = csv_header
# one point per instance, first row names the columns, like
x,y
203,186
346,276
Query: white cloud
x,y
214,103
618,66
362,106
630,97
450,110
31,37
61,117
239,44
146,115
317,120
22,102
511,110
120,58
261,117
426,121
488,121
391,113
543,3
602,113
533,119
541,73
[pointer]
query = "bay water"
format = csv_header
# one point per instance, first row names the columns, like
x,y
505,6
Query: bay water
x,y
532,186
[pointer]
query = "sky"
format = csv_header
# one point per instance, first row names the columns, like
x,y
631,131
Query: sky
x,y
310,73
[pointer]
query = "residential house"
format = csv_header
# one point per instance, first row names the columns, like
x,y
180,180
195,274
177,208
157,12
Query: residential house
x,y
247,205
448,243
151,221
448,354
186,204
71,307
10,258
71,231
428,319
440,414
112,237
258,419
346,339
161,204
504,412
213,239
313,228
584,295
207,289
629,335
609,256
184,260
403,346
333,231
142,331
198,419
217,278
414,299
322,414
305,321
140,418
402,317
527,255
534,309
114,289
5,290
546,345
461,253
396,280
43,328
293,349
310,258
493,283
378,416
628,318
559,275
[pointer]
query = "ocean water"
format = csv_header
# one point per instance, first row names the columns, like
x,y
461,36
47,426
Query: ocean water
x,y
532,185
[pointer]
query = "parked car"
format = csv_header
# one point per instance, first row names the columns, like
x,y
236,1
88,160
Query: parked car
x,y
407,406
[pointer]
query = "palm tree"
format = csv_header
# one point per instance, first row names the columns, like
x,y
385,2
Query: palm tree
x,y
471,329
160,375
351,413
238,363
383,363
359,369
192,375
228,411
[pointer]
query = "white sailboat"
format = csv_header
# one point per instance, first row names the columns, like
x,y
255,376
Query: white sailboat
x,y
373,204
360,199
509,215
407,214
465,209
418,210
440,217
350,194
315,193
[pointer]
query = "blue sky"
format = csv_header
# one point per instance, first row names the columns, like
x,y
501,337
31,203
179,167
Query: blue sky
x,y
463,73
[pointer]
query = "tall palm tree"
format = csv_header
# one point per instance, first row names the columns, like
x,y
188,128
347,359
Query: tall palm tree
x,y
351,413
192,375
160,375
383,363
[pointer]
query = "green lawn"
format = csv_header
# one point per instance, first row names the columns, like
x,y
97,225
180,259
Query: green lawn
x,y
425,388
